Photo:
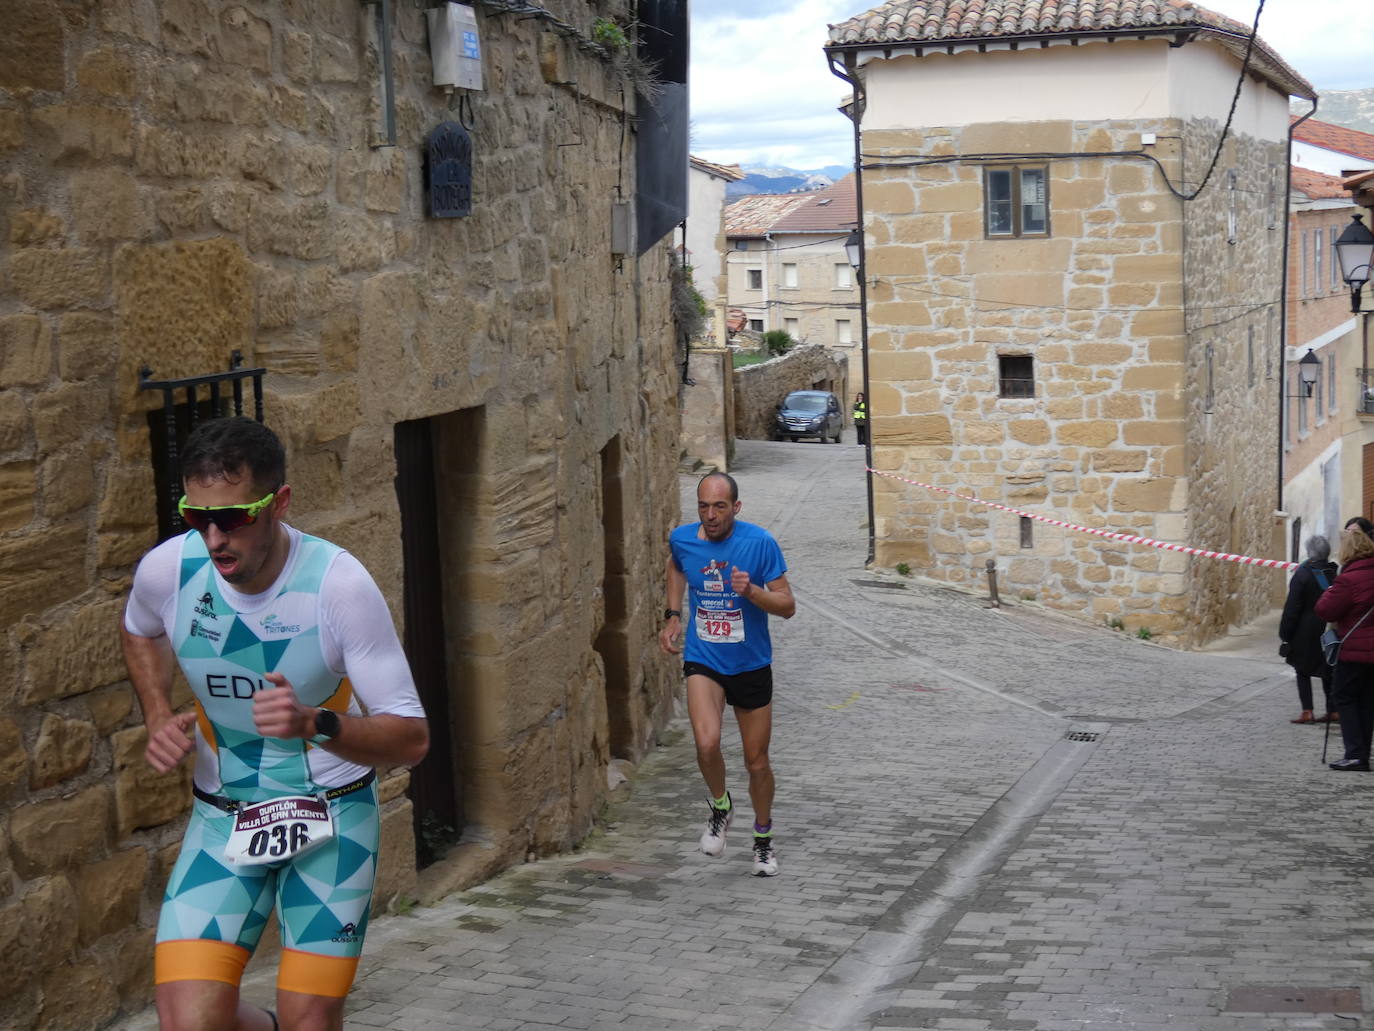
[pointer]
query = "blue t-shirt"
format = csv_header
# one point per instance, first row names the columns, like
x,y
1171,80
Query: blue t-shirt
x,y
724,631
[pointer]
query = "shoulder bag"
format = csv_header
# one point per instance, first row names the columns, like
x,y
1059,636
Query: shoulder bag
x,y
1331,641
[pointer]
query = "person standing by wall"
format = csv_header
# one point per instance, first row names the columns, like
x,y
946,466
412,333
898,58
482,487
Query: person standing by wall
x,y
1349,604
1300,629
861,418
280,636
728,652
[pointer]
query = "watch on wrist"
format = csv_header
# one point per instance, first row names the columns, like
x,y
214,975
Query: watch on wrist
x,y
670,613
327,726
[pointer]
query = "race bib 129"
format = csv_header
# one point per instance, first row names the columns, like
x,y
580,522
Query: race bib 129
x,y
720,626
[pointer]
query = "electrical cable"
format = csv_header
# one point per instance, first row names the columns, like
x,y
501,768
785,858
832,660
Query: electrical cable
x,y
1185,197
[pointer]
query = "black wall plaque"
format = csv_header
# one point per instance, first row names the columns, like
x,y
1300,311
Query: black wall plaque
x,y
448,165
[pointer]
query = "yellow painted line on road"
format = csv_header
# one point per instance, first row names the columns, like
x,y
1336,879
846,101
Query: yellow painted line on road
x,y
847,703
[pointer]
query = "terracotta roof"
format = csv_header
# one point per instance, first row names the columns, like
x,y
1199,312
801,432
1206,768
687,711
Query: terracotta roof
x,y
757,213
832,210
1335,137
730,173
957,21
1315,185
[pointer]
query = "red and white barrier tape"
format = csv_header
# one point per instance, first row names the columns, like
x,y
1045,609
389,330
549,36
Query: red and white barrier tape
x,y
1267,563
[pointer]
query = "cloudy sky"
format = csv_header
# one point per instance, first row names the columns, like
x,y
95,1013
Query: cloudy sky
x,y
762,94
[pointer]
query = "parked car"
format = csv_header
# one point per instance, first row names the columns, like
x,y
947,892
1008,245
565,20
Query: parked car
x,y
809,413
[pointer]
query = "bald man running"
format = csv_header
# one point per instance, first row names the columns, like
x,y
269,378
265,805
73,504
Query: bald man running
x,y
736,578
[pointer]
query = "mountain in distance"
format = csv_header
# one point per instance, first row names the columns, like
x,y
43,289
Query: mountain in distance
x,y
1351,108
785,180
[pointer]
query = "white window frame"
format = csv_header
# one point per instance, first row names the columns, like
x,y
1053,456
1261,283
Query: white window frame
x,y
844,331
844,275
753,278
789,275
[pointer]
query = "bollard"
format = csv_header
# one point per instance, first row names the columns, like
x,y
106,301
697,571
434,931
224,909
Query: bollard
x,y
992,583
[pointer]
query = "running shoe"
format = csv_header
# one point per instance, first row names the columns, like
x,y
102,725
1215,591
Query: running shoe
x,y
713,837
765,857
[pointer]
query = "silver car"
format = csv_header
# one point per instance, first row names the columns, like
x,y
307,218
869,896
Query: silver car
x,y
809,413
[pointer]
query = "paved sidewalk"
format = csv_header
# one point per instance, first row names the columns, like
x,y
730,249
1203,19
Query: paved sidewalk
x,y
987,819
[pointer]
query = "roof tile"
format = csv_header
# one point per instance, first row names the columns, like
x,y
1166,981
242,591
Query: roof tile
x,y
1335,137
952,21
1316,186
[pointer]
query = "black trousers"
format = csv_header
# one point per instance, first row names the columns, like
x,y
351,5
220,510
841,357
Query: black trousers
x,y
861,430
1305,692
1353,690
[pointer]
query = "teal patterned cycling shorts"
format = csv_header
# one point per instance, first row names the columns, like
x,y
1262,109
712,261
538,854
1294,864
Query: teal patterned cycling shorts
x,y
322,897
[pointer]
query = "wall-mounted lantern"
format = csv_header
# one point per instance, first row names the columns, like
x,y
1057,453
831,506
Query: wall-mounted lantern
x,y
1309,371
1355,251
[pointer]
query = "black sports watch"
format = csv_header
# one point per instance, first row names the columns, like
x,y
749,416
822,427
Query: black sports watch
x,y
670,613
327,726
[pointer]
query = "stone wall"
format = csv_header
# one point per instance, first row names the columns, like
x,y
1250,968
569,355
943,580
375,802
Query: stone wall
x,y
1098,305
708,408
759,389
1233,275
183,179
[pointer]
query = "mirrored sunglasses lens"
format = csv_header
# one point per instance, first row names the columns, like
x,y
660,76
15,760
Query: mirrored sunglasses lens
x,y
227,519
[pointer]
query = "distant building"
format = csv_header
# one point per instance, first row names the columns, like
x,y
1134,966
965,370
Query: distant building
x,y
786,266
1058,320
701,243
1325,437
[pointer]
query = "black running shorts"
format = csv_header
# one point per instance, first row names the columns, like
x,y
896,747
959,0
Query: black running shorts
x,y
752,689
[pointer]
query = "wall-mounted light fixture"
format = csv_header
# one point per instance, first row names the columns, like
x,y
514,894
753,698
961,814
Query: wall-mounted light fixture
x,y
853,248
1355,251
1309,371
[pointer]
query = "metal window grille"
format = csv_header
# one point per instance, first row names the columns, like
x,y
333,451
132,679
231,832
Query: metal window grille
x,y
170,425
1016,375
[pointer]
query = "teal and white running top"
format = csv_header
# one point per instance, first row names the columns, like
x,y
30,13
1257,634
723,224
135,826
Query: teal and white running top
x,y
323,625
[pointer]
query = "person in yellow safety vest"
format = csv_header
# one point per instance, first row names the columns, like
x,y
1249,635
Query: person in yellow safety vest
x,y
861,418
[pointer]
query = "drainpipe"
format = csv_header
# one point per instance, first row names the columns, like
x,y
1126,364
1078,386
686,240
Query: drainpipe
x,y
1283,300
767,278
856,112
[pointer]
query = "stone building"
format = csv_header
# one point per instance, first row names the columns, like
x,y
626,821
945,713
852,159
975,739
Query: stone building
x,y
699,239
482,408
786,267
1324,436
1059,321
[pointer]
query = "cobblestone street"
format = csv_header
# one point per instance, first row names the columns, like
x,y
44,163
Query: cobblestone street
x,y
994,819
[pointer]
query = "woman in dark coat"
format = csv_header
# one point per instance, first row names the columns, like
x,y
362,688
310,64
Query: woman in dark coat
x,y
1349,604
1300,629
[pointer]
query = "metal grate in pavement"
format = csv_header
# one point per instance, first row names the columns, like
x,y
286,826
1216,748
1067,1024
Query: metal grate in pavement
x,y
1269,999
885,585
1082,735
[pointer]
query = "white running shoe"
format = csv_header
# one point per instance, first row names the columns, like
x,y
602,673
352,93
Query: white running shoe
x,y
713,837
765,857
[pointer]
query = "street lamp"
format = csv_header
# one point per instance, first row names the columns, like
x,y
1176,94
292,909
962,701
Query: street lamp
x,y
1355,251
1309,370
853,248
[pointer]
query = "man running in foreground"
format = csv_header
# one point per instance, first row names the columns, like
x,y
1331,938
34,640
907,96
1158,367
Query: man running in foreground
x,y
736,578
280,636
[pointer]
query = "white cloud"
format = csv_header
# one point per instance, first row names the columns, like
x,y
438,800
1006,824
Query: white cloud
x,y
762,94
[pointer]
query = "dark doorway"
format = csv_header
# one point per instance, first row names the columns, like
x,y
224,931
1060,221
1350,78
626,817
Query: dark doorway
x,y
433,783
612,642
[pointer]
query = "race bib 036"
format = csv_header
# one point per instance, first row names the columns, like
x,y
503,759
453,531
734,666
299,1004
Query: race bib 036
x,y
277,830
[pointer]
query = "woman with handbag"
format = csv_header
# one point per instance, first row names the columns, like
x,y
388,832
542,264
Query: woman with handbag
x,y
1300,629
1348,603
